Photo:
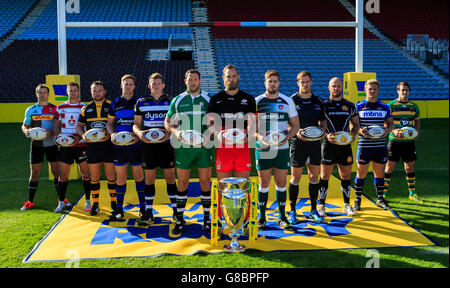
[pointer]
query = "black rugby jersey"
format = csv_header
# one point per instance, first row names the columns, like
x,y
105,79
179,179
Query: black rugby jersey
x,y
310,111
232,108
95,115
338,114
153,111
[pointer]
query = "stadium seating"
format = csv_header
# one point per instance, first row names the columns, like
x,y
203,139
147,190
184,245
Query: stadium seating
x,y
13,13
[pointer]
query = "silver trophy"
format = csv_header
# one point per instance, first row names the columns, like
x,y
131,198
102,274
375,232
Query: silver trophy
x,y
234,204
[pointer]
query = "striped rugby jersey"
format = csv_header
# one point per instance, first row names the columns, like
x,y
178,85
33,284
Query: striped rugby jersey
x,y
68,115
122,111
95,115
274,114
43,117
153,111
403,115
372,113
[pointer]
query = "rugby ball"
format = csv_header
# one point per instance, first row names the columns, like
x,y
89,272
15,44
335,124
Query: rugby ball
x,y
342,138
312,133
192,138
38,133
274,137
123,138
155,135
375,131
409,132
95,135
233,136
65,140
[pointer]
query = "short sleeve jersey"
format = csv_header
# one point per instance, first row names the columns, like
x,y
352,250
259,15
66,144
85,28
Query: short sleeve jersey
x,y
310,111
95,115
153,111
68,115
338,114
403,115
122,111
232,109
189,111
43,117
372,113
274,114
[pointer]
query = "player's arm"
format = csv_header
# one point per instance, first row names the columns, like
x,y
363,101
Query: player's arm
x,y
388,126
354,126
294,124
26,129
323,125
110,125
80,128
137,128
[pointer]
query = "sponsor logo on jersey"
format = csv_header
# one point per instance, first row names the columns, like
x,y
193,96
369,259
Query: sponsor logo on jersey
x,y
372,114
42,117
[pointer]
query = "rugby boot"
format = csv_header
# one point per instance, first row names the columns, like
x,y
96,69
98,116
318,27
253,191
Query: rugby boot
x,y
321,210
357,205
415,198
349,210
283,223
94,209
87,205
60,207
178,229
206,225
67,203
146,218
27,206
315,215
292,217
261,224
116,215
382,203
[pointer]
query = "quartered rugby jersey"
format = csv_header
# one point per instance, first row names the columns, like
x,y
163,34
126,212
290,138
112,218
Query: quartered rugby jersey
x,y
153,111
338,114
43,117
68,115
190,111
403,115
95,115
372,113
274,114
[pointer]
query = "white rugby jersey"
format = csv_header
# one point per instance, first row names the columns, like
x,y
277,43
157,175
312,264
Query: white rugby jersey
x,y
68,116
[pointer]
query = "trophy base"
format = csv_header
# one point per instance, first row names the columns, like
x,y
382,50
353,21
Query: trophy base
x,y
230,248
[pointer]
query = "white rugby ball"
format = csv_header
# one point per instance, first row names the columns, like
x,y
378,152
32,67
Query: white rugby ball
x,y
375,131
95,135
192,138
38,133
233,136
65,140
409,132
343,138
155,135
123,138
312,133
274,137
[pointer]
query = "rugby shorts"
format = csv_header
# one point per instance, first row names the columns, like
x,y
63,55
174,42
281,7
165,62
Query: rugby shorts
x,y
340,154
304,152
267,159
233,159
128,155
69,154
158,155
37,154
100,152
187,158
365,155
404,150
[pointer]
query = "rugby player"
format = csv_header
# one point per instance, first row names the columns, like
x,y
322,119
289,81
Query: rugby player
x,y
231,108
189,108
150,112
340,114
121,118
302,152
372,111
95,115
68,113
42,114
405,114
275,111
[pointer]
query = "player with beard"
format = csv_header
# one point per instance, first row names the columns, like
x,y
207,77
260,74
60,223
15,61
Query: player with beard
x,y
186,112
311,113
340,113
95,115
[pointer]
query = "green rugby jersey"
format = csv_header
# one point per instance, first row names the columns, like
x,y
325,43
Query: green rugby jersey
x,y
403,115
190,111
274,114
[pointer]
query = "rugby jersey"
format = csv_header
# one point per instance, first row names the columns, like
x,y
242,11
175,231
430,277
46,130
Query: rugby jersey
x,y
403,115
273,115
310,111
372,113
68,115
190,110
122,111
338,114
43,117
153,111
95,115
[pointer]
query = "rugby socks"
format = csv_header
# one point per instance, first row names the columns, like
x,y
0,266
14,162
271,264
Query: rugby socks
x,y
172,193
323,190
281,200
205,198
32,187
95,191
387,181
87,187
140,189
56,185
263,196
346,189
149,194
379,187
112,194
181,204
359,186
62,185
120,195
293,195
313,194
411,181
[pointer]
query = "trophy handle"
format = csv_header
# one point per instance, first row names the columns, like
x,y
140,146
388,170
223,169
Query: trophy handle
x,y
214,214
